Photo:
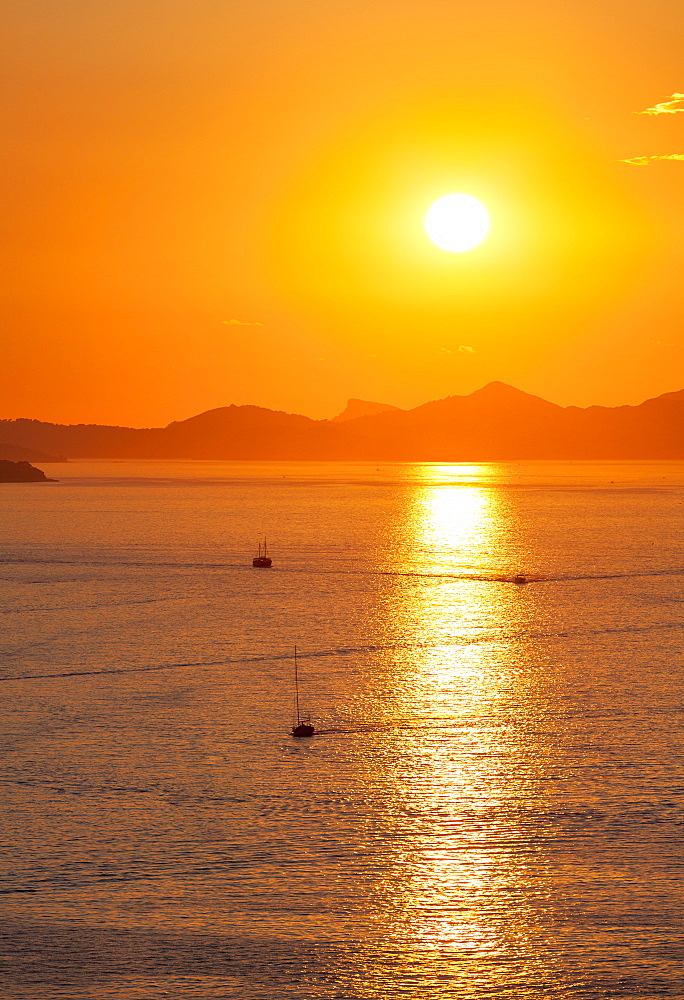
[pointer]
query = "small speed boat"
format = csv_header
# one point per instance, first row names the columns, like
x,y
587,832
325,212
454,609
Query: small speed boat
x,y
519,579
262,559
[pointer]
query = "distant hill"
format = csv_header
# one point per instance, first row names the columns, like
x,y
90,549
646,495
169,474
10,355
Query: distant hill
x,y
361,408
13,453
229,432
21,472
497,422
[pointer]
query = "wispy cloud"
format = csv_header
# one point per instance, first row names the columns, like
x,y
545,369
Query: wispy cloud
x,y
672,106
643,161
240,322
463,349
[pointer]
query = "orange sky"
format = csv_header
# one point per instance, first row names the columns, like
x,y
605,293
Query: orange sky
x,y
172,165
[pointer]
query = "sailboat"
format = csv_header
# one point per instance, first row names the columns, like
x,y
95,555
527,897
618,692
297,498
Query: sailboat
x,y
303,726
262,559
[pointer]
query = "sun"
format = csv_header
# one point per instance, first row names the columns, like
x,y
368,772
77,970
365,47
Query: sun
x,y
457,222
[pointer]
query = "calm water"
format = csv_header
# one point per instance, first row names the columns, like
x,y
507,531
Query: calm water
x,y
495,805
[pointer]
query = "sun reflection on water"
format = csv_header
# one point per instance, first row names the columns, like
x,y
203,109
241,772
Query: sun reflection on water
x,y
457,530
455,520
455,866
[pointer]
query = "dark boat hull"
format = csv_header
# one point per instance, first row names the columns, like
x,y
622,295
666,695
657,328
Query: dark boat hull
x,y
303,729
261,562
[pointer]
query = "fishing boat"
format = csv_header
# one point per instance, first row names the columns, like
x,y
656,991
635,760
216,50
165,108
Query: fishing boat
x,y
301,725
262,560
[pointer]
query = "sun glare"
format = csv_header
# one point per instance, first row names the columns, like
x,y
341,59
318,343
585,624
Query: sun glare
x,y
457,222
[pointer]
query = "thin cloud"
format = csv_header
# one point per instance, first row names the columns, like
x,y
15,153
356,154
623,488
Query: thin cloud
x,y
668,107
643,161
240,322
463,349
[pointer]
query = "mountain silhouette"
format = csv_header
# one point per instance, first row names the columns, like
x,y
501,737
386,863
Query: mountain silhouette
x,y
13,453
361,408
495,423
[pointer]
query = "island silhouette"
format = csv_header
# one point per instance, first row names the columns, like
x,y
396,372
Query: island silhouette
x,y
495,423
22,472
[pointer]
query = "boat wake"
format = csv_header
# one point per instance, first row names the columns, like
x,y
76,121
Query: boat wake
x,y
456,642
465,575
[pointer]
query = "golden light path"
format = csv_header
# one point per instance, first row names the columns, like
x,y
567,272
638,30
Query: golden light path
x,y
457,222
453,888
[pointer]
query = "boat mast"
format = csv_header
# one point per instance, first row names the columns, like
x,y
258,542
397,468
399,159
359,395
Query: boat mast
x,y
296,687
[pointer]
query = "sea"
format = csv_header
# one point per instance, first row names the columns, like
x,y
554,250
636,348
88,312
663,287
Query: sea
x,y
492,805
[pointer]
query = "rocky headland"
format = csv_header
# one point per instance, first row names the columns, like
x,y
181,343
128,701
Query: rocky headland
x,y
22,472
